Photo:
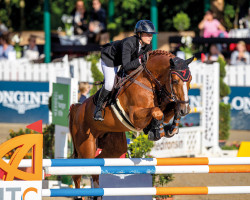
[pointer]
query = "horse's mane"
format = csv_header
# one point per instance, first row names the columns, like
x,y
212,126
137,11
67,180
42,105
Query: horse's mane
x,y
160,52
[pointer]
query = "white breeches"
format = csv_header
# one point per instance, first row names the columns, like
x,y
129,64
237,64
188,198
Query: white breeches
x,y
109,76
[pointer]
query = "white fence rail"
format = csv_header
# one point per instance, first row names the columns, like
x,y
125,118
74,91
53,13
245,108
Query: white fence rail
x,y
238,75
22,70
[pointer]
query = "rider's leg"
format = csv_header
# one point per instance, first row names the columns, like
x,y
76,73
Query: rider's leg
x,y
109,79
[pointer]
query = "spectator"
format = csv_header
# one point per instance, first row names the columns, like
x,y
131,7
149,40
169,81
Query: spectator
x,y
241,56
213,54
79,18
97,17
3,28
84,88
6,50
246,19
212,27
97,24
31,51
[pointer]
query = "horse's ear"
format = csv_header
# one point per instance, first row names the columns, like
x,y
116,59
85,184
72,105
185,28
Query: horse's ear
x,y
188,61
171,62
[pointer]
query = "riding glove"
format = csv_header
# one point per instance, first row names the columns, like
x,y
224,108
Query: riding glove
x,y
143,58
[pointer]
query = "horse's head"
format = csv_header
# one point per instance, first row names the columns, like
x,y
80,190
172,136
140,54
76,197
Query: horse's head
x,y
180,83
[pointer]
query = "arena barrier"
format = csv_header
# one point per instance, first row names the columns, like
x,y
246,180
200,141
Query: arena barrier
x,y
33,180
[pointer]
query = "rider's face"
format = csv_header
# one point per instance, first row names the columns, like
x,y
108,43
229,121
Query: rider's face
x,y
146,38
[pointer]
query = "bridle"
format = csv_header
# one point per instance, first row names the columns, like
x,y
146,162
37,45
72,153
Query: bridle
x,y
161,90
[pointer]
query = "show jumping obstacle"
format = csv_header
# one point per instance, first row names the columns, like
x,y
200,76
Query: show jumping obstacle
x,y
144,166
113,166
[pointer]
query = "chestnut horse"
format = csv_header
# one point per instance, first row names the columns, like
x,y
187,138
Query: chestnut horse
x,y
141,104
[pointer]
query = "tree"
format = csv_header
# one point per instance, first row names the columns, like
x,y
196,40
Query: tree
x,y
127,13
224,109
96,74
181,21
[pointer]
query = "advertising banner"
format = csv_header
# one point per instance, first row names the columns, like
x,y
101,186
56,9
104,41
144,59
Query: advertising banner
x,y
24,102
239,100
17,190
60,104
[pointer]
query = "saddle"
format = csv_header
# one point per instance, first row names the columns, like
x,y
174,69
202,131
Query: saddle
x,y
121,79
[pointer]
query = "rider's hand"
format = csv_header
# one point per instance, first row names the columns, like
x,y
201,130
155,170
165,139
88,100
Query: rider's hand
x,y
143,58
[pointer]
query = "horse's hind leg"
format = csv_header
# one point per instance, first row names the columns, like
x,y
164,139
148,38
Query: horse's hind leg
x,y
113,145
84,147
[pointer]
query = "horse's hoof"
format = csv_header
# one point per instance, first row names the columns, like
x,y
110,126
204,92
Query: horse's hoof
x,y
151,136
170,132
154,136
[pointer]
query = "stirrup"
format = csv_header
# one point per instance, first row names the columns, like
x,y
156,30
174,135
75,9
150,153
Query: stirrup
x,y
98,115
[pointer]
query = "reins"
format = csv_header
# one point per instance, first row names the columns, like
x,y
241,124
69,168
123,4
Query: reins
x,y
159,90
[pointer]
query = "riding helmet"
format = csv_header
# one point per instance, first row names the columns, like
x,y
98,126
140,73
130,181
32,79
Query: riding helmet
x,y
145,26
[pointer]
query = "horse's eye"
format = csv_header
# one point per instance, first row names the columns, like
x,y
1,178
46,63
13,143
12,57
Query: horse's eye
x,y
175,82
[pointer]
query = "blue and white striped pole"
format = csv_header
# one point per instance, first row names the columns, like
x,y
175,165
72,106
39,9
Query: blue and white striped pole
x,y
146,191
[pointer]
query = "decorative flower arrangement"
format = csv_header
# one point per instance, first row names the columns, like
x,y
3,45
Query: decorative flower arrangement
x,y
187,46
67,20
16,40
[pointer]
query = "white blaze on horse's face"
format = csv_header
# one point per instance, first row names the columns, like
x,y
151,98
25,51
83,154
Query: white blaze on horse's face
x,y
185,91
186,99
180,89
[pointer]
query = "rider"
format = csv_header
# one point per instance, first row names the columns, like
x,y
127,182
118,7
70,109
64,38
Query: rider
x,y
130,52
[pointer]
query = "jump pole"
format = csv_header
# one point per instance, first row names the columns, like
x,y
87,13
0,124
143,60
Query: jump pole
x,y
138,162
97,170
146,191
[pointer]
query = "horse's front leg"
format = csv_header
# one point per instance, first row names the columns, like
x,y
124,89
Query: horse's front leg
x,y
171,129
148,119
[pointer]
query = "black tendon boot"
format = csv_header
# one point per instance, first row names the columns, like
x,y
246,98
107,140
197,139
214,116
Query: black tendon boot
x,y
98,109
154,132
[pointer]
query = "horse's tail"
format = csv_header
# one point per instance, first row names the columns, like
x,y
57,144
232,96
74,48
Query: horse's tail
x,y
72,110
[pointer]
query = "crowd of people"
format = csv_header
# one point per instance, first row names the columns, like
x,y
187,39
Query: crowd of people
x,y
212,28
91,24
7,51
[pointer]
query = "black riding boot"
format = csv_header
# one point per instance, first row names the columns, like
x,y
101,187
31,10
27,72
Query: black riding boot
x,y
98,109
